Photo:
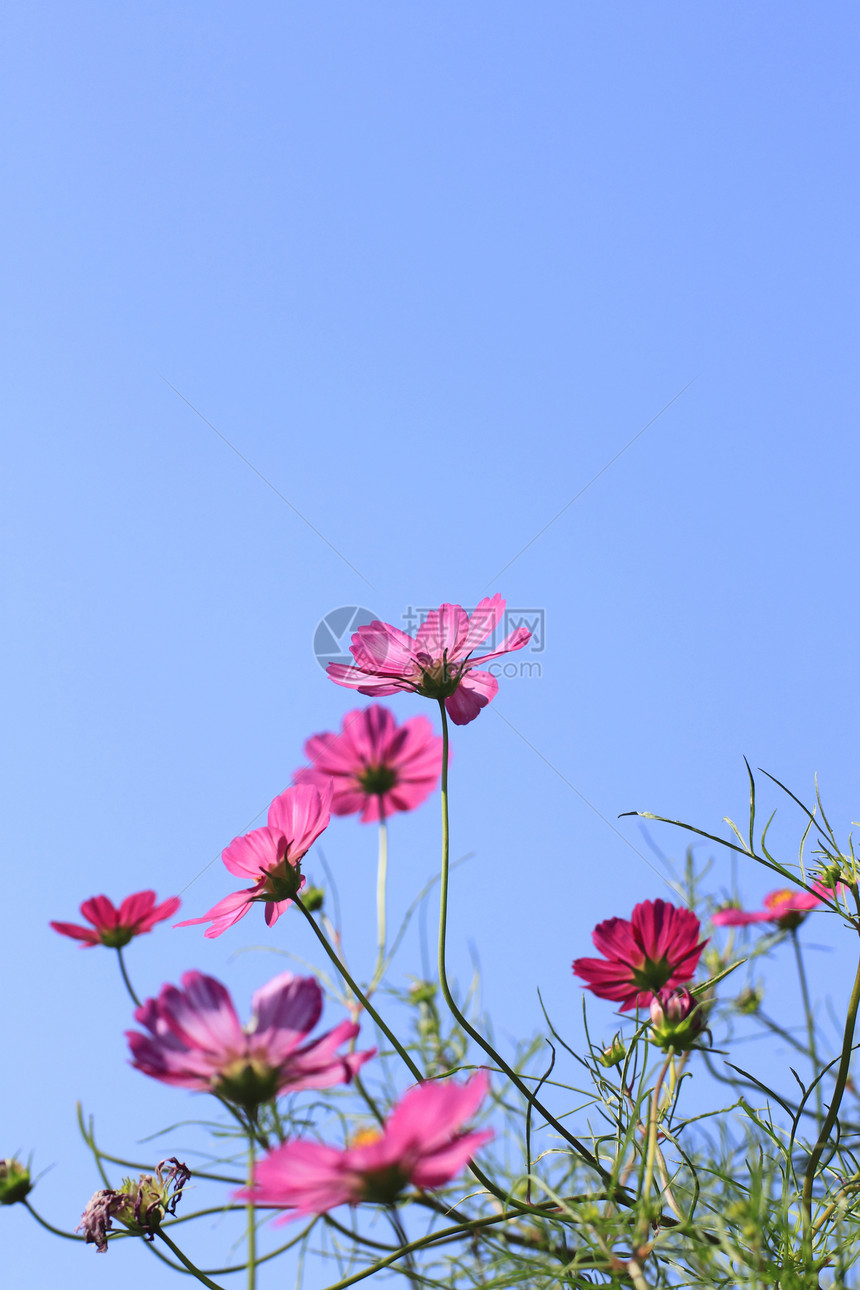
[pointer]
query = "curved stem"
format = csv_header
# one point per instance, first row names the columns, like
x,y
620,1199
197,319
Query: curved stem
x,y
363,1000
810,1020
125,977
58,1231
443,1234
411,1270
381,881
578,1146
833,1110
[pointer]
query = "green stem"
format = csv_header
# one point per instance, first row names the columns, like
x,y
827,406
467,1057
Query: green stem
x,y
810,1020
398,1047
381,880
444,1234
411,1270
58,1231
363,1000
125,977
252,1226
651,1150
833,1111
201,1276
578,1146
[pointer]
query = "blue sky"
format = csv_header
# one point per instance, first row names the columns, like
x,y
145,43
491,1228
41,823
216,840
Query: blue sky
x,y
429,269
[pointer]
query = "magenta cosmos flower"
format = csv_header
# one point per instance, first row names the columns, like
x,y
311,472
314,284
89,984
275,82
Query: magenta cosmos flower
x,y
375,766
271,857
786,907
657,949
116,927
437,663
196,1040
419,1144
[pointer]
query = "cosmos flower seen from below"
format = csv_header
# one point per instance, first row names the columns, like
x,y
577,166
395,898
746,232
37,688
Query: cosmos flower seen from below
x,y
271,858
196,1040
437,663
116,927
374,766
786,907
420,1143
658,948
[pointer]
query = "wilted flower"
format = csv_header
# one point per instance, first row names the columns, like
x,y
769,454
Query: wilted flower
x,y
677,1019
116,927
418,1144
15,1182
140,1204
375,766
785,907
271,858
437,663
659,947
196,1040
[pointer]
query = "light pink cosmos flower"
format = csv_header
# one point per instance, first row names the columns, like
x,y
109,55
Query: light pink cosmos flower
x,y
419,1144
196,1040
786,907
271,858
116,927
437,663
657,949
374,765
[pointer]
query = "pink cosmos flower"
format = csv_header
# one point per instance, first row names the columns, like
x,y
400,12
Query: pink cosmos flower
x,y
418,1144
271,858
196,1040
658,948
374,765
437,663
116,927
786,907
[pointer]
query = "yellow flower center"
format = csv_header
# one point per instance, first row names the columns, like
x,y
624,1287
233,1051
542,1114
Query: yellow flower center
x,y
364,1137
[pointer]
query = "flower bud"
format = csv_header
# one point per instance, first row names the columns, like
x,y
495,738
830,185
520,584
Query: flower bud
x,y
676,1019
312,898
422,992
749,1000
613,1054
832,874
15,1182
